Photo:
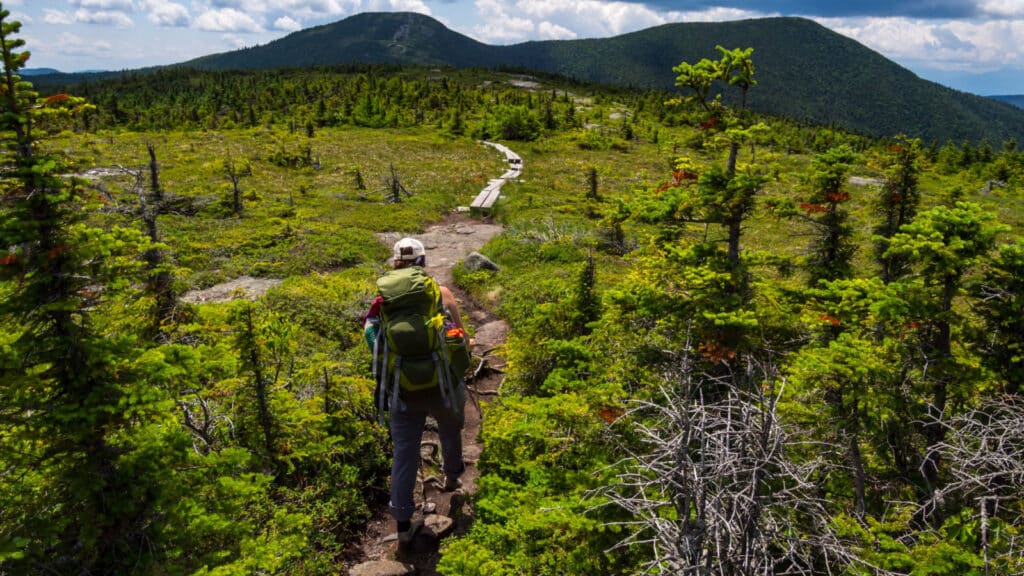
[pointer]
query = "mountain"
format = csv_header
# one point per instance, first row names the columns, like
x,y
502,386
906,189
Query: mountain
x,y
38,71
1016,100
805,71
370,38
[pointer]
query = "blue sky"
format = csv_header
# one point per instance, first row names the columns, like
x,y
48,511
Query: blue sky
x,y
971,45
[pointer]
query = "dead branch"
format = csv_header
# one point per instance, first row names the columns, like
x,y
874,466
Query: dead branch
x,y
710,488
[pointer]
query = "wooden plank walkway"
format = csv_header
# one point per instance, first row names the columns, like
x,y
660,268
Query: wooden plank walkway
x,y
484,201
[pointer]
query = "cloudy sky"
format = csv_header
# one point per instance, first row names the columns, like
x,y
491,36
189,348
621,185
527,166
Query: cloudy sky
x,y
971,45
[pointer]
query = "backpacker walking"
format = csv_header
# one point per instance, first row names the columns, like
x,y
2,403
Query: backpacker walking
x,y
420,356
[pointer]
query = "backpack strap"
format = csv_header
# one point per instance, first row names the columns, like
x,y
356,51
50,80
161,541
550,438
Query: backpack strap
x,y
395,401
380,355
444,379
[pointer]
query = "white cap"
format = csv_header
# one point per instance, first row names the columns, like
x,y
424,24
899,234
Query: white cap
x,y
408,249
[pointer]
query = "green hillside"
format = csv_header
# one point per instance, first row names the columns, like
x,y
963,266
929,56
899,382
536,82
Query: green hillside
x,y
806,71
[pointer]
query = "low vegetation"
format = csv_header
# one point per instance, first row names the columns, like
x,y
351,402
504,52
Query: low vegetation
x,y
725,357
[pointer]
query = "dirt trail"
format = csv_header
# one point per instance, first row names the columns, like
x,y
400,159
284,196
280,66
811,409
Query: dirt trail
x,y
446,243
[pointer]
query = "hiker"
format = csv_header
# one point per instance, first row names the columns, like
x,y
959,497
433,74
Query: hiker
x,y
412,384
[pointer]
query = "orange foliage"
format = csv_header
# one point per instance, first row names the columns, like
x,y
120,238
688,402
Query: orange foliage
x,y
830,319
709,123
55,99
716,352
611,413
58,250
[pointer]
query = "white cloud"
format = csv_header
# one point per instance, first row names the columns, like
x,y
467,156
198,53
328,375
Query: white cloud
x,y
543,19
548,31
1002,8
317,8
591,18
397,6
103,18
76,46
499,26
235,41
713,15
287,24
51,16
226,20
168,14
105,5
977,46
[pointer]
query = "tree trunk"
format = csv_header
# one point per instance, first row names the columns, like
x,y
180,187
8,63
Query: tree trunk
x,y
154,177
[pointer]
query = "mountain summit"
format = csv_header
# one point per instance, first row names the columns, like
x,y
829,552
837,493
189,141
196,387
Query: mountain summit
x,y
805,71
369,38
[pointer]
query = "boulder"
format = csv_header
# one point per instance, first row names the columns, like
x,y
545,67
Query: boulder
x,y
437,526
477,261
382,568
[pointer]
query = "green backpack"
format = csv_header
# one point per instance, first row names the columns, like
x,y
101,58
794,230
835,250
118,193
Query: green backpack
x,y
413,351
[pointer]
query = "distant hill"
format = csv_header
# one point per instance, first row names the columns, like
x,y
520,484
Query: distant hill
x,y
805,71
38,71
1016,100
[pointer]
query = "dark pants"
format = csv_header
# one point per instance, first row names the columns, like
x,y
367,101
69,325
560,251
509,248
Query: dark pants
x,y
407,421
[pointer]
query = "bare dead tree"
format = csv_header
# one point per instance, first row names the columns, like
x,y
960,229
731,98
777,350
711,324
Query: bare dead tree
x,y
395,187
234,171
984,456
711,488
357,179
160,280
202,421
154,175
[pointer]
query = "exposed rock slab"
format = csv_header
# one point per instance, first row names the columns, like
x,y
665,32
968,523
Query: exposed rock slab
x,y
244,287
382,568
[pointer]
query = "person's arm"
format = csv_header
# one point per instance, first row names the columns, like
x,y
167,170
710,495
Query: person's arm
x,y
370,330
371,322
448,299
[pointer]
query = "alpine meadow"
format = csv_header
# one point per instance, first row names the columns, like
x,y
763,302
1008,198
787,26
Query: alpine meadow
x,y
740,342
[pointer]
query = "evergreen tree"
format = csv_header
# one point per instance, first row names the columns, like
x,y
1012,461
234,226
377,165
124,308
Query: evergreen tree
x,y
729,193
70,405
1001,296
832,250
945,243
897,204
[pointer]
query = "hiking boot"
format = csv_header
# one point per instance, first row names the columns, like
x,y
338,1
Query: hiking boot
x,y
451,483
407,538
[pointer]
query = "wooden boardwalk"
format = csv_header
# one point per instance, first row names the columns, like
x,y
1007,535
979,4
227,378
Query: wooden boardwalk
x,y
484,201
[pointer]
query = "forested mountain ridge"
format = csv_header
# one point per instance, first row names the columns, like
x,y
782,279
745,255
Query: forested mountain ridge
x,y
369,38
805,71
1016,100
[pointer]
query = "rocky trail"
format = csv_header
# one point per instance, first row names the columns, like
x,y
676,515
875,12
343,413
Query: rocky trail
x,y
446,514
